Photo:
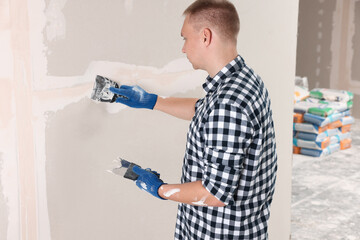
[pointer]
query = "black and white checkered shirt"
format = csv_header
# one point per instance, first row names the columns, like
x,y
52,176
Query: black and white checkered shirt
x,y
231,149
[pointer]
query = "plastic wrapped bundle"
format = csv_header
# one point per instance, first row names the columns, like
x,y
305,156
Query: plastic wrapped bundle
x,y
300,94
321,153
347,120
332,94
321,108
296,150
315,105
308,127
298,117
317,137
345,129
324,143
340,137
346,123
321,121
345,144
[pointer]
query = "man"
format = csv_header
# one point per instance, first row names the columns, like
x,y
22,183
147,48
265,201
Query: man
x,y
229,167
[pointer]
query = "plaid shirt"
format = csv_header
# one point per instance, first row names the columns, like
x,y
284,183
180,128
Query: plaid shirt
x,y
231,149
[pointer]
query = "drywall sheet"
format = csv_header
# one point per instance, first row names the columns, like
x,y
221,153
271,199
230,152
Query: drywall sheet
x,y
76,172
3,207
9,196
103,31
355,70
83,138
314,41
67,142
328,45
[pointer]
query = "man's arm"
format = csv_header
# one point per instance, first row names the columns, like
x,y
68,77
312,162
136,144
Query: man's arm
x,y
189,193
183,108
192,193
136,97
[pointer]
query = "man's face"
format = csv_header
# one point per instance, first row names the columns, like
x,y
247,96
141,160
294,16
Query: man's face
x,y
192,45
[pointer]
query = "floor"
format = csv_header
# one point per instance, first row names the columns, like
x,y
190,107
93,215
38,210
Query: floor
x,y
326,194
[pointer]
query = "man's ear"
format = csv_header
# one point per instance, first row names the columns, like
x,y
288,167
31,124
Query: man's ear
x,y
207,36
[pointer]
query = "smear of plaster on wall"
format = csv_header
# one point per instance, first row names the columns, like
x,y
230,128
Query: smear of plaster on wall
x,y
10,180
174,76
37,22
4,211
129,5
6,57
165,5
4,14
56,25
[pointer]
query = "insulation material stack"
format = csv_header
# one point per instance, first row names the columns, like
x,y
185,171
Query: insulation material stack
x,y
322,122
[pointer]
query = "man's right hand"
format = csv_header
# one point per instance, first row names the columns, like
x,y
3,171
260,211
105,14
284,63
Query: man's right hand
x,y
135,97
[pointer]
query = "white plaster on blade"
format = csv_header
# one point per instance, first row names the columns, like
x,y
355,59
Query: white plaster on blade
x,y
56,26
171,192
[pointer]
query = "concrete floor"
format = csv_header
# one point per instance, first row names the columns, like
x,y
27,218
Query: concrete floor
x,y
326,194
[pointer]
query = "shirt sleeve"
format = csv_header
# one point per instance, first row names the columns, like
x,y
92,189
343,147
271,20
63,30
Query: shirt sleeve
x,y
198,103
227,134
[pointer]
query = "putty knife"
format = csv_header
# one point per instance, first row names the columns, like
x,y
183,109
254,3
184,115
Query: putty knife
x,y
101,91
125,169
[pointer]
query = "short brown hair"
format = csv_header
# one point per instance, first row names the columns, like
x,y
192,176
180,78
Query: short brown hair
x,y
218,14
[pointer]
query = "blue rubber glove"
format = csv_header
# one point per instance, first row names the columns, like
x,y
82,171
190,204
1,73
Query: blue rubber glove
x,y
148,180
134,96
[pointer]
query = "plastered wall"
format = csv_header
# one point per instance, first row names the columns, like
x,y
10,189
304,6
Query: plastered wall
x,y
57,144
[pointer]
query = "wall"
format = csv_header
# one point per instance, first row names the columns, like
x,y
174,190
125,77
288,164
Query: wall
x,y
328,45
57,144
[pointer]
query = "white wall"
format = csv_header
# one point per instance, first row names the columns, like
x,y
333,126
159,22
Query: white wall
x,y
64,142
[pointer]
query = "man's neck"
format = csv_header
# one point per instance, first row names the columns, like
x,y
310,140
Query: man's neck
x,y
220,60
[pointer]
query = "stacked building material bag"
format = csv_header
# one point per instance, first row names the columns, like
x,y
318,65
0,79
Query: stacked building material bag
x,y
322,122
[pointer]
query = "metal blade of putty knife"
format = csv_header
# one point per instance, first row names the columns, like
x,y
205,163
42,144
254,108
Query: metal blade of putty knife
x,y
125,169
101,90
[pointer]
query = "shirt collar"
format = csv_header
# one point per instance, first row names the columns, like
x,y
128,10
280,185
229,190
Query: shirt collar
x,y
212,83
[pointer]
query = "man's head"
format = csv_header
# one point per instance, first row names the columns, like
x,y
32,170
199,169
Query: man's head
x,y
210,32
219,15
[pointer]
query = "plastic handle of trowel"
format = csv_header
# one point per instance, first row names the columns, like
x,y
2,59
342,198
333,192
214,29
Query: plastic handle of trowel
x,y
129,174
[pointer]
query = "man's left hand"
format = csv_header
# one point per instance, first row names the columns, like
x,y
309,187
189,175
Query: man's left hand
x,y
148,180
